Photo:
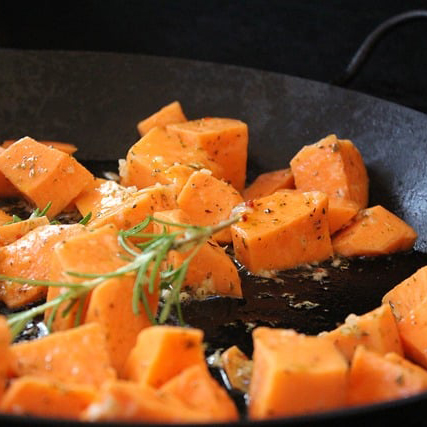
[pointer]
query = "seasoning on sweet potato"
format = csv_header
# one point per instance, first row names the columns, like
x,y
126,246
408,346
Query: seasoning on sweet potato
x,y
75,356
340,213
128,401
30,257
238,368
169,114
5,354
375,231
161,352
376,330
211,271
196,388
46,398
15,230
44,174
268,183
65,147
208,201
4,218
283,230
295,374
225,140
375,378
157,151
334,166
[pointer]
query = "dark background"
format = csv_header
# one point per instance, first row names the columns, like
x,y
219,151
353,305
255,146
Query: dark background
x,y
306,38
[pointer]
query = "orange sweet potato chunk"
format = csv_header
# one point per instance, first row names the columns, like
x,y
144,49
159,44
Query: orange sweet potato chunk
x,y
5,354
375,231
75,356
225,140
45,398
6,187
340,213
208,201
4,217
196,388
65,147
295,374
169,114
334,166
44,174
238,368
375,378
157,151
283,230
150,362
376,330
30,257
268,183
211,271
15,230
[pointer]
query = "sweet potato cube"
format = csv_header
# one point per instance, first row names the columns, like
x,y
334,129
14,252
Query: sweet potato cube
x,y
65,147
75,356
225,140
211,271
376,330
375,231
151,362
15,230
334,166
268,183
30,257
157,151
340,213
5,354
375,378
208,201
283,230
169,114
44,174
295,374
6,187
196,388
238,368
45,398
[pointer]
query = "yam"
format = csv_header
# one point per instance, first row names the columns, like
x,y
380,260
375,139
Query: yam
x,y
340,213
6,360
238,368
65,147
13,231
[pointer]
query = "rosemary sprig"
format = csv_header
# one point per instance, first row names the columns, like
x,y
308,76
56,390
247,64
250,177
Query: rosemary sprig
x,y
146,261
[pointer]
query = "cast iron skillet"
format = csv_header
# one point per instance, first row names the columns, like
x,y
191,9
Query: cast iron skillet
x,y
94,100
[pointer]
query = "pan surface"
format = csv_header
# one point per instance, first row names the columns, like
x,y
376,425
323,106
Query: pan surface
x,y
94,100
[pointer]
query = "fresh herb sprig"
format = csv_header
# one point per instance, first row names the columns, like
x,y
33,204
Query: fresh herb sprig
x,y
145,260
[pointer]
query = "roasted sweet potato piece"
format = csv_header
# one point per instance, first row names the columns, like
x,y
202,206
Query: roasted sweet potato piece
x,y
376,378
295,374
75,356
4,217
375,231
44,174
30,257
334,166
65,147
238,368
6,187
150,362
5,354
169,114
157,151
268,183
376,330
340,213
15,230
46,398
211,271
283,230
196,388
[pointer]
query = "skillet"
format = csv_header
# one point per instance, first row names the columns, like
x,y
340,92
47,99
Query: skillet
x,y
94,100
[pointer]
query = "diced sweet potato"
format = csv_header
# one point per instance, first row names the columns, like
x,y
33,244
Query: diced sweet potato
x,y
65,147
75,356
157,151
375,231
225,140
295,374
4,217
211,271
334,166
15,230
268,183
208,201
127,401
45,398
169,114
376,378
196,388
151,361
44,174
6,187
178,175
5,354
238,368
283,230
340,213
376,330
30,257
